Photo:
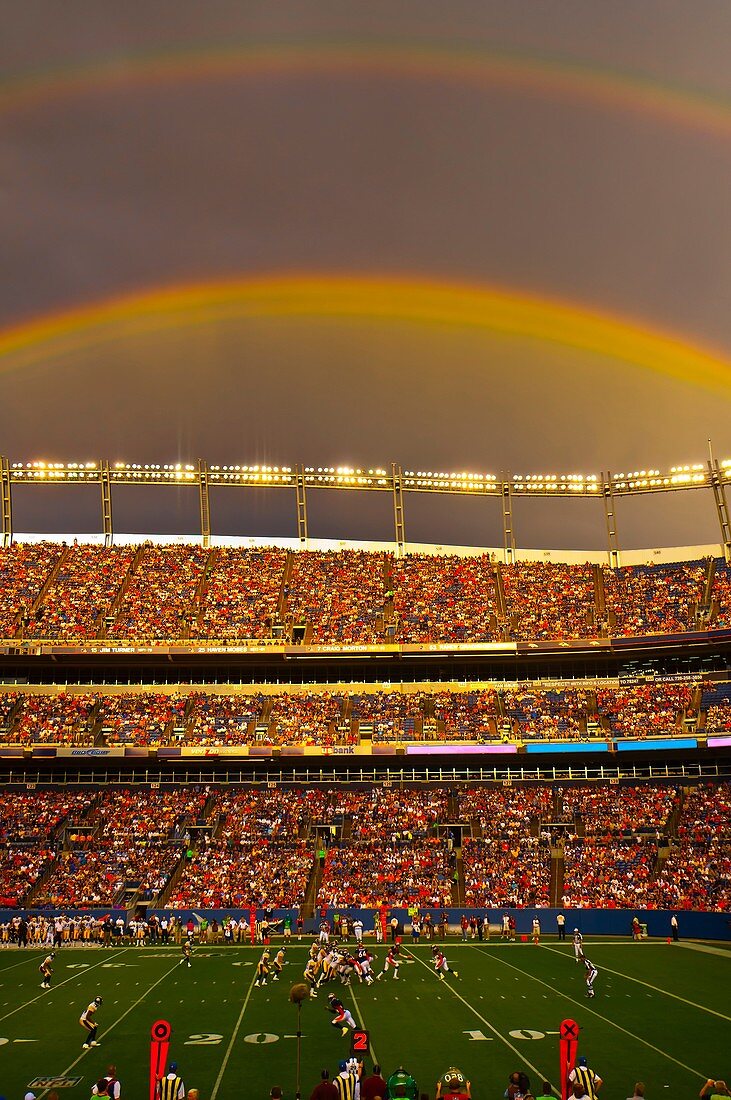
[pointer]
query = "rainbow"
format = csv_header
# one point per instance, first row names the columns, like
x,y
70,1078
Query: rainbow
x,y
419,301
463,65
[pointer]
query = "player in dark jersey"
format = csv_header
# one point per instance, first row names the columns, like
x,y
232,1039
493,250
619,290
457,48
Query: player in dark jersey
x,y
393,961
46,970
441,965
341,1016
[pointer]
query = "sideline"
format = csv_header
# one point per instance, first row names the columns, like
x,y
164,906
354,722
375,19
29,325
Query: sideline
x,y
585,1008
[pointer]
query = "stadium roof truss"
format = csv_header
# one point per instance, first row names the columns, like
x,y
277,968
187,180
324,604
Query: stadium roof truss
x,y
712,474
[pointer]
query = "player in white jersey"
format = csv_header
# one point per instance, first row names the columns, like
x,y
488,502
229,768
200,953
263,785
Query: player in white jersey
x,y
46,970
591,973
578,945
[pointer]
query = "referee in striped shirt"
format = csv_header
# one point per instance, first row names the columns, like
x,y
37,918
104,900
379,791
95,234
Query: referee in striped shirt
x,y
346,1083
590,1082
170,1087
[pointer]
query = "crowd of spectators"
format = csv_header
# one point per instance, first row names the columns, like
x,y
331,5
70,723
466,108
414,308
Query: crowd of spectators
x,y
20,868
549,600
617,811
501,872
59,718
341,594
346,596
309,718
221,719
716,702
144,718
560,713
321,717
83,590
721,594
24,569
609,872
380,813
384,845
645,710
373,873
391,715
262,873
466,715
506,813
241,594
443,598
35,816
281,815
653,599
158,603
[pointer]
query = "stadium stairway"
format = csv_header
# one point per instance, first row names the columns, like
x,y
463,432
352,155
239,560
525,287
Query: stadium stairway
x,y
557,877
313,886
458,887
110,615
36,610
196,609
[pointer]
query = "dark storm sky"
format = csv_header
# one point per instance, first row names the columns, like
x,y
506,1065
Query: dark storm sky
x,y
116,186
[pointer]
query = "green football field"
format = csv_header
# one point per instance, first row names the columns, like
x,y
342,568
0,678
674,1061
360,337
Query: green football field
x,y
661,1015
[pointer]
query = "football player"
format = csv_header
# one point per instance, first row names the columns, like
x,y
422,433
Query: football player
x,y
87,1019
393,961
590,977
262,969
441,966
341,1016
46,970
279,961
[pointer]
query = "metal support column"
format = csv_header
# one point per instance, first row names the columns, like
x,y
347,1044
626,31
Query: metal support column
x,y
508,531
7,501
106,483
610,516
719,496
301,489
205,502
397,475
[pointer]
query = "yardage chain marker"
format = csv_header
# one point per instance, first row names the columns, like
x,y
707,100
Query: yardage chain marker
x,y
648,985
361,1021
117,1021
539,1073
585,1008
229,1048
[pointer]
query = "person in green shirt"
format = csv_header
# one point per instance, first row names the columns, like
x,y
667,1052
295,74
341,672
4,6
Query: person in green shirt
x,y
546,1093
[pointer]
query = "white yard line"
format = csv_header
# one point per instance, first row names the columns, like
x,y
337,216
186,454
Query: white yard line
x,y
585,1008
657,989
229,1048
540,1074
111,1027
73,978
361,1021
